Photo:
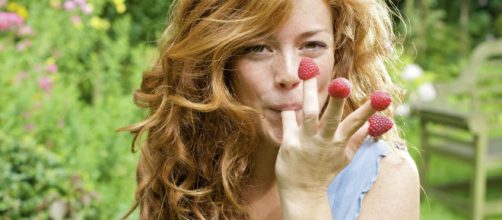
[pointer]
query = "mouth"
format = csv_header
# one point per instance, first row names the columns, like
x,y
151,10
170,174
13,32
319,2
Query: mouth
x,y
275,110
287,107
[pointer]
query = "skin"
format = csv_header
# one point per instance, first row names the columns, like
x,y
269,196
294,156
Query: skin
x,y
299,154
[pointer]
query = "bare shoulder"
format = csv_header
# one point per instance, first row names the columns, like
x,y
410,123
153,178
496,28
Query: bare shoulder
x,y
396,191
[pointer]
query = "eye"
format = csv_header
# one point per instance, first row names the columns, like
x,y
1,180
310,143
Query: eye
x,y
259,48
311,45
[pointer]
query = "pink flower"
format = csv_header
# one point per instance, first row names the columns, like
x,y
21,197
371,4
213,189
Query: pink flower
x,y
56,54
69,5
38,67
29,127
26,115
2,3
23,45
9,20
76,20
80,2
86,9
52,68
20,76
45,83
25,30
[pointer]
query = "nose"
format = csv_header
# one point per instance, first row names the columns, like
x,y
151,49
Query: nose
x,y
286,72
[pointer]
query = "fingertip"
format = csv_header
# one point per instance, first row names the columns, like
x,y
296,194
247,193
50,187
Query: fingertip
x,y
379,125
380,100
340,88
307,69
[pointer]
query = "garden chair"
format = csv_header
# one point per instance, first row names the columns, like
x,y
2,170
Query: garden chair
x,y
465,123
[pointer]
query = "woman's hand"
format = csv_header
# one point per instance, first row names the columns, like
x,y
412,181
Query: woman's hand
x,y
313,153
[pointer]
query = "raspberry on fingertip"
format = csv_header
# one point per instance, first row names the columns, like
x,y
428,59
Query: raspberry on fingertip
x,y
340,88
379,124
380,100
308,69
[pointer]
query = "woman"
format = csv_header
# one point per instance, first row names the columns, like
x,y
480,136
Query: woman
x,y
234,133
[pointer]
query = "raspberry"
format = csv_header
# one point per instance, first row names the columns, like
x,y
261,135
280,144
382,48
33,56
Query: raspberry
x,y
339,88
379,124
307,69
380,100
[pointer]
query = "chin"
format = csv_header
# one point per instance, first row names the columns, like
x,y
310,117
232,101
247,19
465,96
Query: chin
x,y
271,133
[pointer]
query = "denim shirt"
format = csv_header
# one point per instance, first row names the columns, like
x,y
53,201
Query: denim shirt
x,y
347,190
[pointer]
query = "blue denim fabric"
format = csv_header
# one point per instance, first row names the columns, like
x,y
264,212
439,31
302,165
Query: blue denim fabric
x,y
348,188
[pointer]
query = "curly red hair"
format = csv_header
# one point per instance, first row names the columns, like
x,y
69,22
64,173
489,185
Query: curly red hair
x,y
197,153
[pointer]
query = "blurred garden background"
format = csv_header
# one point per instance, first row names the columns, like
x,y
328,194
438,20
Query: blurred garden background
x,y
68,69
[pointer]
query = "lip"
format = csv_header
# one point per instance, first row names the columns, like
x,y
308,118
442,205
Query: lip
x,y
287,107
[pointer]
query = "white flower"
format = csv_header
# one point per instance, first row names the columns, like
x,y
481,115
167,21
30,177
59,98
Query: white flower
x,y
426,92
403,110
411,72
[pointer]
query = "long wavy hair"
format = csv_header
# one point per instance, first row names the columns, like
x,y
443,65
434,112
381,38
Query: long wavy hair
x,y
199,138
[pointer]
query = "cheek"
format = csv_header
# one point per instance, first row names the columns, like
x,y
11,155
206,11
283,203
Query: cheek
x,y
324,79
242,80
322,92
248,82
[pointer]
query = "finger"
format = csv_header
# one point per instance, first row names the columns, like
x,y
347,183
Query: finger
x,y
361,134
379,125
332,117
354,121
310,106
338,89
307,71
289,126
379,101
357,139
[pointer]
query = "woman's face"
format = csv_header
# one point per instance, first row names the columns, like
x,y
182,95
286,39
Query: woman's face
x,y
267,74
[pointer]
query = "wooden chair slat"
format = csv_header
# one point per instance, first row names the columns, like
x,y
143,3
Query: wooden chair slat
x,y
437,137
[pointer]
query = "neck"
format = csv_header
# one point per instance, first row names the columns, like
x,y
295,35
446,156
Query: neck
x,y
261,194
263,172
264,164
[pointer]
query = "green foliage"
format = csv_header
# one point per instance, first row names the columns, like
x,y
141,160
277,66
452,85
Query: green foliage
x,y
35,182
149,18
66,88
433,31
430,39
498,26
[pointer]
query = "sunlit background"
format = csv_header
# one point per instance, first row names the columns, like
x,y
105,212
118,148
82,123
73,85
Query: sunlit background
x,y
68,69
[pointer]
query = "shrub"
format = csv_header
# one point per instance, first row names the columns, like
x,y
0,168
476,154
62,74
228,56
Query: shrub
x,y
67,78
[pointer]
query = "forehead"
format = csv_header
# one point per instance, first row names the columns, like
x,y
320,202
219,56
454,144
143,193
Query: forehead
x,y
307,15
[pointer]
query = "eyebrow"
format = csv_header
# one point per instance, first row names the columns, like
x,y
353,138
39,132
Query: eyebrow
x,y
303,35
312,32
